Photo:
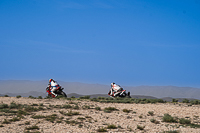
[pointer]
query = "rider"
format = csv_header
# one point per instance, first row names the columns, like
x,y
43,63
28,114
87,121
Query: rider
x,y
53,85
115,89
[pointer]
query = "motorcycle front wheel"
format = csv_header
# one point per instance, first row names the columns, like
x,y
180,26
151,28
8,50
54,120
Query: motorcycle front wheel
x,y
63,94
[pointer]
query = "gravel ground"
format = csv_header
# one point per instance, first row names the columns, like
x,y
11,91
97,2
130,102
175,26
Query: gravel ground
x,y
90,119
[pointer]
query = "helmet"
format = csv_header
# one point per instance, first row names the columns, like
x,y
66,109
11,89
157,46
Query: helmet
x,y
112,83
50,80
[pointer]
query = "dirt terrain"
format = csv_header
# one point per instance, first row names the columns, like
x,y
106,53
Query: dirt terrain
x,y
18,115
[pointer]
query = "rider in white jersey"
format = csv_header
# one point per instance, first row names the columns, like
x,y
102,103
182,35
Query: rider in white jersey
x,y
53,85
114,89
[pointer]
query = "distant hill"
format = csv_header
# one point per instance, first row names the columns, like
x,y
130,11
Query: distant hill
x,y
25,86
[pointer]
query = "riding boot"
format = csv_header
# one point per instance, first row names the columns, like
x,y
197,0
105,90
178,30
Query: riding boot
x,y
54,94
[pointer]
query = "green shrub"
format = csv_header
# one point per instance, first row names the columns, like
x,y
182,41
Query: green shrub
x,y
101,98
101,130
51,118
14,119
13,105
73,97
169,118
185,101
38,117
80,126
67,106
31,97
110,109
174,131
111,127
6,96
140,127
86,107
34,104
154,121
76,107
195,102
81,118
98,108
2,106
70,113
184,121
174,100
27,123
126,110
30,109
194,125
94,99
59,121
18,96
151,113
5,121
39,97
32,127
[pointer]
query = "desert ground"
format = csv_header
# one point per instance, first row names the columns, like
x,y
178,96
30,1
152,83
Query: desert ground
x,y
24,115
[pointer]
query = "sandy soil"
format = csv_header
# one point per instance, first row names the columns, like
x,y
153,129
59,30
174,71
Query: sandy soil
x,y
90,120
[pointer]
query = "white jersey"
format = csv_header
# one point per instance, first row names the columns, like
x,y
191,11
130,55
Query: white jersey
x,y
116,87
54,84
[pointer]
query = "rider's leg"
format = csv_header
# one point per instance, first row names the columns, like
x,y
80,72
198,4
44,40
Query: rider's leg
x,y
53,91
111,93
116,93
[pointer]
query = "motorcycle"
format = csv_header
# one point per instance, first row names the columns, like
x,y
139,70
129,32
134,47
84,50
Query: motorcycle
x,y
59,92
121,93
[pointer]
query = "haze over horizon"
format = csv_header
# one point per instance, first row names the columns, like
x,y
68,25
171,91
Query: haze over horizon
x,y
132,43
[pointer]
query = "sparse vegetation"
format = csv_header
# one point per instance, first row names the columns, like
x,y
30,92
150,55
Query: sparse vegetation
x,y
81,118
126,110
140,127
86,107
140,116
174,131
185,101
112,126
51,118
84,97
98,108
17,112
110,109
154,121
174,100
169,118
32,127
151,113
38,117
101,130
39,97
18,96
67,106
184,121
5,121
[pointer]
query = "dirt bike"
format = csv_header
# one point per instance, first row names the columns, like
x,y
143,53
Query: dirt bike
x,y
122,94
59,92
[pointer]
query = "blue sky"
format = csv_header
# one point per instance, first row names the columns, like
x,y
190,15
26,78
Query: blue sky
x,y
130,42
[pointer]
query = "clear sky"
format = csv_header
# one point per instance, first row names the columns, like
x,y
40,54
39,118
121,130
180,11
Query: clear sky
x,y
130,42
